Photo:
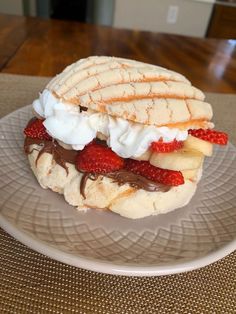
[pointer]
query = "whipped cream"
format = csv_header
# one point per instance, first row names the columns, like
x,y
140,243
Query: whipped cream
x,y
66,123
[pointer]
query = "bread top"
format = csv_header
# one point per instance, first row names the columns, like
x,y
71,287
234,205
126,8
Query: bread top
x,y
134,91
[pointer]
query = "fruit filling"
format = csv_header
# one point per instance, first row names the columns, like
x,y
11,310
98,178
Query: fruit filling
x,y
212,136
97,158
167,164
161,147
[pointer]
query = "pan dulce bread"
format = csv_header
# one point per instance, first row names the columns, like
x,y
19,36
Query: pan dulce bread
x,y
132,90
121,135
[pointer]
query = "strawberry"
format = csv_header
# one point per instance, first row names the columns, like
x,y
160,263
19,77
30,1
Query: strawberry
x,y
161,147
215,137
36,129
145,169
97,158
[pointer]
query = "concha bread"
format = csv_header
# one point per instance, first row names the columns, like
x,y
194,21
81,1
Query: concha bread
x,y
134,91
104,193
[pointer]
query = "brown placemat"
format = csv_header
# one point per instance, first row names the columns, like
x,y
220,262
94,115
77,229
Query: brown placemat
x,y
33,283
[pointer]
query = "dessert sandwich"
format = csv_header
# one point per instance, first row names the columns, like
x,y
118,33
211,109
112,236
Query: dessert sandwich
x,y
121,135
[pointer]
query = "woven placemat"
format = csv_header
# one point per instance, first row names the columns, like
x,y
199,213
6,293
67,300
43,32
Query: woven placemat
x,y
33,283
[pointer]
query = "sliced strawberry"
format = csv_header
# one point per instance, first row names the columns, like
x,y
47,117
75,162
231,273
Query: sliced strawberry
x,y
145,169
162,147
213,136
97,158
36,129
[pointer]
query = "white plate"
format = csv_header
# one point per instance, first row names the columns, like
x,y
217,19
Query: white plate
x,y
188,238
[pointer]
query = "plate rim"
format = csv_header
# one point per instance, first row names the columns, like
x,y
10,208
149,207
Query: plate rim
x,y
107,267
112,268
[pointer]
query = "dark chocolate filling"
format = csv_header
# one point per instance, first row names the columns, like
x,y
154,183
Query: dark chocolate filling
x,y
62,155
136,181
82,108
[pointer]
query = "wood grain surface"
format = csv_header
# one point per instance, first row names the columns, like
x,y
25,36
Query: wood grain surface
x,y
34,46
223,22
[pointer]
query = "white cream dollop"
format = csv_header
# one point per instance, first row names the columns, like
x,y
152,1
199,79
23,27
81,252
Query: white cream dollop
x,y
66,123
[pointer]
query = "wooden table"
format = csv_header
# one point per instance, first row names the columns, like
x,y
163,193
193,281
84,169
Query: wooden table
x,y
34,46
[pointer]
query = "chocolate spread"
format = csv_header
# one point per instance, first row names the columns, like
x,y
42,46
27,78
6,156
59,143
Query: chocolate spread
x,y
62,155
84,179
122,177
136,181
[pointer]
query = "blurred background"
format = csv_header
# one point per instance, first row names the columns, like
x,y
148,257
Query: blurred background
x,y
200,18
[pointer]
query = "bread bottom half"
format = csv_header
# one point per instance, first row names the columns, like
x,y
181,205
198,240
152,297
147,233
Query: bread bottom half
x,y
104,193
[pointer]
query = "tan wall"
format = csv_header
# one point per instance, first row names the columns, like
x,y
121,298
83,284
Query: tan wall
x,y
192,19
11,7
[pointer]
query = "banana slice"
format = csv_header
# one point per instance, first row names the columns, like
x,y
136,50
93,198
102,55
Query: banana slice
x,y
145,156
101,136
190,174
194,143
180,160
